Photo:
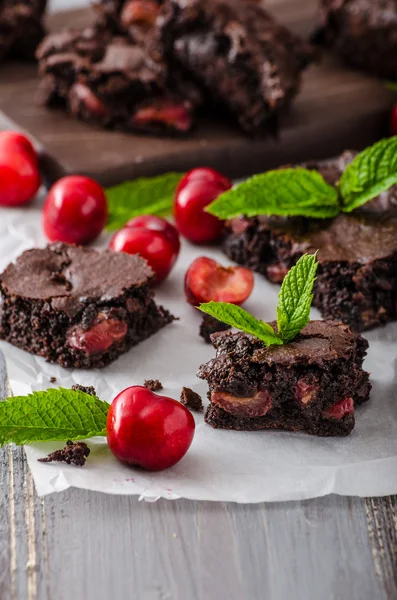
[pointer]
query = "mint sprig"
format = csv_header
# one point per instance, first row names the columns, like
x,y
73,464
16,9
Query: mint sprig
x,y
143,196
293,309
52,415
371,172
303,192
295,297
237,317
282,192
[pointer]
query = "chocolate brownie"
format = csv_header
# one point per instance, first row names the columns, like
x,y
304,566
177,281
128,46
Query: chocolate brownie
x,y
357,274
210,325
362,32
21,27
191,399
311,384
107,79
77,306
244,59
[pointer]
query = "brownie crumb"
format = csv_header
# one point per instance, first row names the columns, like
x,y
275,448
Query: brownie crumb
x,y
53,379
191,399
211,325
86,389
74,453
153,384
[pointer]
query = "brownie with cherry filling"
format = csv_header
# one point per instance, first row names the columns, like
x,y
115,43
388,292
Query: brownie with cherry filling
x,y
312,384
77,306
21,27
105,78
246,61
362,32
357,273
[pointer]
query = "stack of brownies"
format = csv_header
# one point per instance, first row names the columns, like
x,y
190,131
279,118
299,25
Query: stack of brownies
x,y
149,65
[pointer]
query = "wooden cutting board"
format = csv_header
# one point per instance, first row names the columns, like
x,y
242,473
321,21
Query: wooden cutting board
x,y
336,109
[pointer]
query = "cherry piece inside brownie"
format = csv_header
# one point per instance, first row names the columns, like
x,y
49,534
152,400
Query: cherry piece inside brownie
x,y
77,306
312,384
357,275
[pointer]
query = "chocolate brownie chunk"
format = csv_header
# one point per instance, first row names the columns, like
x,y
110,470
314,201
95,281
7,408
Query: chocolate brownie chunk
x,y
191,400
235,49
107,79
154,385
77,306
362,32
312,384
21,28
357,275
210,325
74,453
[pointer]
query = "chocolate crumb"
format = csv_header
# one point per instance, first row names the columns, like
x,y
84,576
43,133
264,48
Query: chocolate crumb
x,y
153,384
74,453
191,399
86,389
211,325
53,379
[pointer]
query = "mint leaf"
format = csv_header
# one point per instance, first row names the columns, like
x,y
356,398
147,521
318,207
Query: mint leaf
x,y
282,192
374,170
240,319
144,196
295,297
392,85
56,414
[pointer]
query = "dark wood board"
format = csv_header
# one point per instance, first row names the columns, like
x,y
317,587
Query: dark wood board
x,y
336,109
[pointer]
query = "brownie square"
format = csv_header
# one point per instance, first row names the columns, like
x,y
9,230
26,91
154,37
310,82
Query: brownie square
x,y
362,32
244,59
312,384
357,274
21,27
107,79
76,306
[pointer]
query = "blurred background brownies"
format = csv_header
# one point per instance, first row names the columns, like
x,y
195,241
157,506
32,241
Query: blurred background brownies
x,y
362,32
149,65
21,27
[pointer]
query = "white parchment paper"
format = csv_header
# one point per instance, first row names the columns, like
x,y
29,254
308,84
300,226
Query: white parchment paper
x,y
221,465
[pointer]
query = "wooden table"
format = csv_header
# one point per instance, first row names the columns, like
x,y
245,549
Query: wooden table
x,y
87,546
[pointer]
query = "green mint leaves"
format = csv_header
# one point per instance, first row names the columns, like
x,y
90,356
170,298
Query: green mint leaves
x,y
283,192
144,196
293,309
372,172
295,297
302,192
53,415
241,319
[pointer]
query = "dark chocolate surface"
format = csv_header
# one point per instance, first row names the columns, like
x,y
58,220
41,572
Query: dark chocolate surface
x,y
67,272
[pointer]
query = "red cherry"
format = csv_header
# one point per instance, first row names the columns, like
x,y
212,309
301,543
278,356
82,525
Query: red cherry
x,y
18,140
19,169
197,190
148,430
207,280
340,409
157,224
98,338
75,210
393,120
152,245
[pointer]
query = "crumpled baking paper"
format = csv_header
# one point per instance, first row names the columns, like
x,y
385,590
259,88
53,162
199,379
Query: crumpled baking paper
x,y
221,465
